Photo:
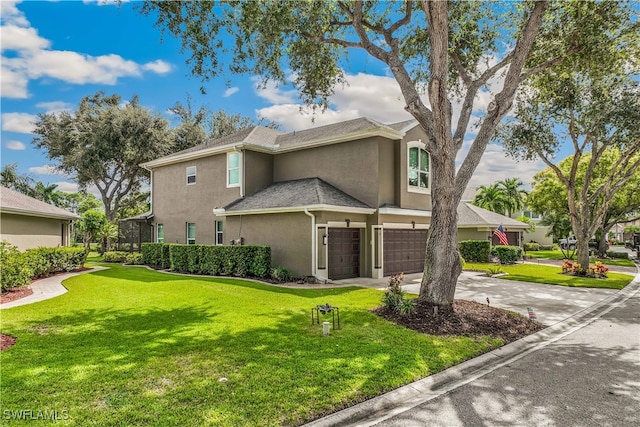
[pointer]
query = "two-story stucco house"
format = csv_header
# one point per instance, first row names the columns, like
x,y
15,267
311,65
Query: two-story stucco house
x,y
338,201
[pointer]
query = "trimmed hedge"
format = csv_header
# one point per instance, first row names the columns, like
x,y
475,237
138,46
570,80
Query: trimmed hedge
x,y
507,254
156,255
531,247
547,247
242,261
20,268
475,250
615,254
115,256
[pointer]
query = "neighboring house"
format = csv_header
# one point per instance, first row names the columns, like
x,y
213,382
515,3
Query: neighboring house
x,y
476,223
540,233
28,223
338,201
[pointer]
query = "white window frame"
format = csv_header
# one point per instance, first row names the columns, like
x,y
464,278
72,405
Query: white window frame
x,y
238,168
219,233
194,234
413,188
191,174
158,228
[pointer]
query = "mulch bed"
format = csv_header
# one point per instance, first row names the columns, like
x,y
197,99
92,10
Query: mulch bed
x,y
13,294
467,318
6,341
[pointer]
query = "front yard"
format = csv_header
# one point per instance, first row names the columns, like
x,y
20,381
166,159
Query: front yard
x,y
558,255
553,275
130,346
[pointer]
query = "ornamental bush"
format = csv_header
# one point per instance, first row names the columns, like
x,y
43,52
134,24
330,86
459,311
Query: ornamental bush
x,y
531,247
507,254
475,250
115,256
241,261
614,254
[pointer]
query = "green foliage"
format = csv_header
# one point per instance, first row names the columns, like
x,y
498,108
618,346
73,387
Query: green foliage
x,y
134,258
241,261
19,268
394,296
475,250
103,142
156,254
115,256
619,255
492,198
547,247
531,247
507,254
494,269
281,274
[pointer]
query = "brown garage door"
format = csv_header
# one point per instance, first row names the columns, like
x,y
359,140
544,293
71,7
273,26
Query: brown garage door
x,y
404,251
344,253
512,237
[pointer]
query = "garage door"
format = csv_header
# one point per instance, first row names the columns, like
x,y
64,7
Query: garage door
x,y
404,251
512,237
344,253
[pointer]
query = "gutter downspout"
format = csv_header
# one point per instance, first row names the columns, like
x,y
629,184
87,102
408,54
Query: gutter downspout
x,y
313,241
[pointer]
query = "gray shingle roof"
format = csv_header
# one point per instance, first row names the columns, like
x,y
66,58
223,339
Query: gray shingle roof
x,y
402,125
13,202
297,193
473,216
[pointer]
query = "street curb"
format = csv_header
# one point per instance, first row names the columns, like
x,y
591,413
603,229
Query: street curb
x,y
404,398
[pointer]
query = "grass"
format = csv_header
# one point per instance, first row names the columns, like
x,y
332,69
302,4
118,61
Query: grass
x,y
552,275
558,255
130,346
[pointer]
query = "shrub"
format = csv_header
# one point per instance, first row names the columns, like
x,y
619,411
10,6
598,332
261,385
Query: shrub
x,y
547,247
493,270
19,268
507,254
115,256
475,250
614,254
242,261
393,297
281,274
134,258
531,247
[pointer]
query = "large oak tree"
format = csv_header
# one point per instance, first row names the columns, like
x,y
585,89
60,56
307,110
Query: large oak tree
x,y
102,143
441,54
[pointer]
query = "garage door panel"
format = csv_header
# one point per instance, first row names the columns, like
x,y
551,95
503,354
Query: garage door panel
x,y
344,253
404,251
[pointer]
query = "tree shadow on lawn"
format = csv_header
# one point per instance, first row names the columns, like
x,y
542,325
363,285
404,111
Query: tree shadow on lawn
x,y
285,372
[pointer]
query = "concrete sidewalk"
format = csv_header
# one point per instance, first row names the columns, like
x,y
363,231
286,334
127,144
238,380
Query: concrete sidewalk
x,y
47,288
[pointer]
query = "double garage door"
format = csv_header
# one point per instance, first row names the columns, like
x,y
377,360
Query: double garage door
x,y
404,251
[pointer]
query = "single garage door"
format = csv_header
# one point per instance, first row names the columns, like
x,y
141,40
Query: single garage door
x,y
344,253
512,237
404,251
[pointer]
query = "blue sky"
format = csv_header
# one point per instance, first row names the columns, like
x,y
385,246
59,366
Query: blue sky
x,y
54,53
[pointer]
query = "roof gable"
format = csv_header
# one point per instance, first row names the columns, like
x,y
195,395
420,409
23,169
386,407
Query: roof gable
x,y
470,215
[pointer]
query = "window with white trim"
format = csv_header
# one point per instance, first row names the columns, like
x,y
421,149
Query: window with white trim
x,y
219,233
418,167
191,233
233,169
191,175
160,233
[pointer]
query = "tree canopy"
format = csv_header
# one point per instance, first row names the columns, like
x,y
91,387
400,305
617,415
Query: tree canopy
x,y
442,55
102,143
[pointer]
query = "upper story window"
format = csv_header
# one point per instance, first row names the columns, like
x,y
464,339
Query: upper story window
x,y
233,169
418,167
531,214
191,175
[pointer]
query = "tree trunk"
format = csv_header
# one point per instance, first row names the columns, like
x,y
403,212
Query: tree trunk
x,y
582,248
602,243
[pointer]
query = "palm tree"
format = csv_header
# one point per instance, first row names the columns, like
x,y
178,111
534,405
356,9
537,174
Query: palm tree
x,y
47,193
513,193
491,197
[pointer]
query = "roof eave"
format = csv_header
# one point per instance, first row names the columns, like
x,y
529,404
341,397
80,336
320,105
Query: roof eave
x,y
27,212
287,209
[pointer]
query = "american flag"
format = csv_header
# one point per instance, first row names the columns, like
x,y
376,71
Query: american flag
x,y
502,236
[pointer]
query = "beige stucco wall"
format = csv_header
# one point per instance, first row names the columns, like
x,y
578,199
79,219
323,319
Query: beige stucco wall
x,y
539,235
27,232
288,235
258,171
350,166
472,234
175,203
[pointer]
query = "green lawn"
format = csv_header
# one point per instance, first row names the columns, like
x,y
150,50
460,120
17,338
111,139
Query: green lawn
x,y
558,255
129,346
553,275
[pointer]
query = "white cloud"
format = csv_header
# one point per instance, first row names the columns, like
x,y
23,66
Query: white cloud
x,y
15,145
32,58
159,66
18,122
67,187
55,106
45,170
271,92
296,117
230,91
